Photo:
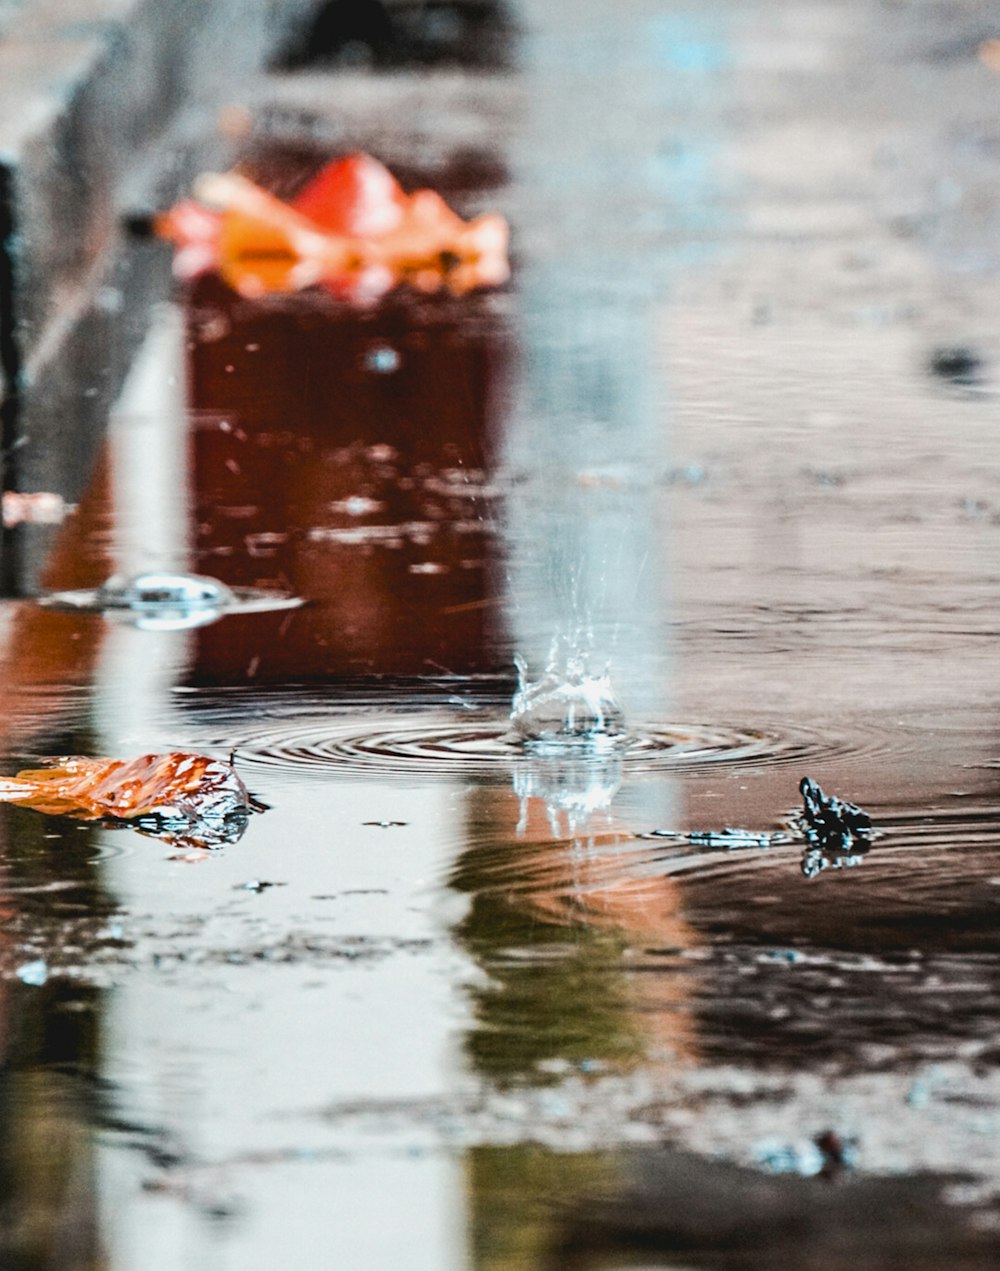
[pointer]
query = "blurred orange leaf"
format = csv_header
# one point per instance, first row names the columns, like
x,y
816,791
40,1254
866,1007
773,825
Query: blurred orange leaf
x,y
352,229
196,799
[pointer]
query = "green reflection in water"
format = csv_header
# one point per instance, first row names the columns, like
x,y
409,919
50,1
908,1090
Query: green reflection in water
x,y
49,1043
518,1196
556,994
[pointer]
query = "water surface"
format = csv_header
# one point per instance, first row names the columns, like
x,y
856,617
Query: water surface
x,y
444,993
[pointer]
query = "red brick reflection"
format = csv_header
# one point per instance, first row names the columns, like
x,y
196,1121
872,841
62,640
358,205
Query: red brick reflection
x,y
346,456
44,650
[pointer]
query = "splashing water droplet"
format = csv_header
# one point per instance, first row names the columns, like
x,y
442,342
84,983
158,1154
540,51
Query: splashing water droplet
x,y
568,706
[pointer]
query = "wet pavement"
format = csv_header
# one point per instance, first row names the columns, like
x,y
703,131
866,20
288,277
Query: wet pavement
x,y
449,1002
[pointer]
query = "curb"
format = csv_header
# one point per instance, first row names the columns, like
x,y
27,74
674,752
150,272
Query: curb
x,y
92,93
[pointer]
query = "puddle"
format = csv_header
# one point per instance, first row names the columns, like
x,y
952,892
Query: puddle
x,y
569,1006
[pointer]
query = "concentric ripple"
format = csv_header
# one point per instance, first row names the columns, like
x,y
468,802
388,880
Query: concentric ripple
x,y
439,745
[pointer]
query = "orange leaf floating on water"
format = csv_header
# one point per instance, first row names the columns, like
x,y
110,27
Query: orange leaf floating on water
x,y
202,799
352,229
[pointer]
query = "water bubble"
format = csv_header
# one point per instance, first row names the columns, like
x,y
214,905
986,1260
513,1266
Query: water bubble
x,y
167,600
567,706
154,588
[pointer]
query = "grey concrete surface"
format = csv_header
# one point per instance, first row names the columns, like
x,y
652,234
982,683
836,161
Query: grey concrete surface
x,y
97,96
88,89
8,11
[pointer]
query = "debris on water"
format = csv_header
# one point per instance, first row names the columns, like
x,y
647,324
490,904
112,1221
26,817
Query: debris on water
x,y
43,508
567,706
163,601
838,834
186,799
815,860
957,363
34,973
825,1156
728,839
352,230
839,1153
826,817
805,1158
257,885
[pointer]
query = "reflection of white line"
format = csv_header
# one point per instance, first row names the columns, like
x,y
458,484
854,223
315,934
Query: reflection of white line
x,y
147,435
148,448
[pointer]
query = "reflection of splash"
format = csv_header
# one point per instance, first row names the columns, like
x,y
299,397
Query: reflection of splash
x,y
572,784
570,723
568,705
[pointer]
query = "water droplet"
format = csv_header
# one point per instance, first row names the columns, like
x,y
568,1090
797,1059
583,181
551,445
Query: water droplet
x,y
210,325
357,505
383,359
35,973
